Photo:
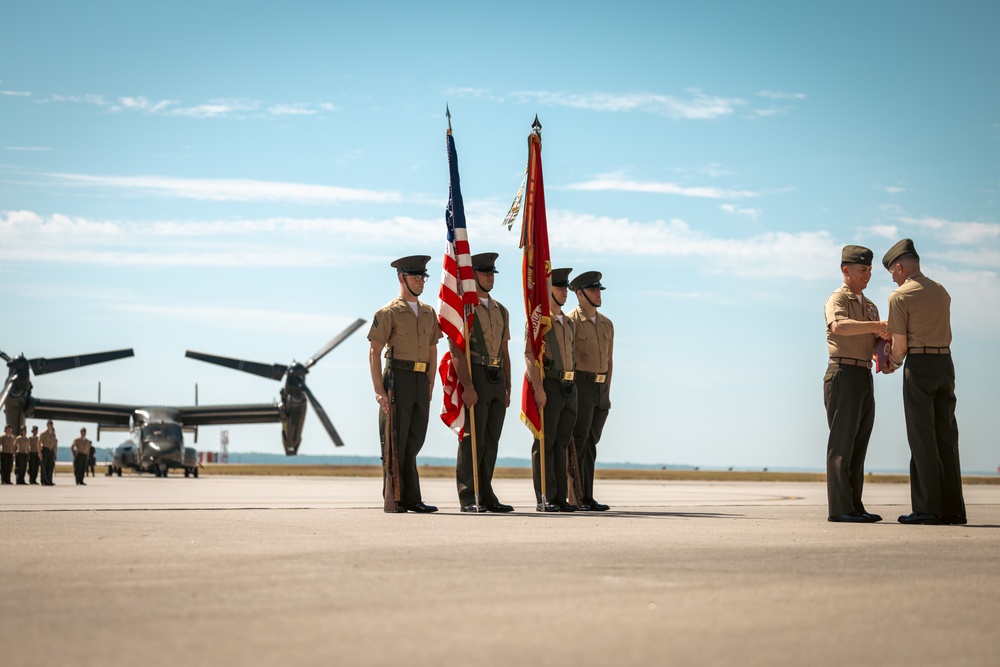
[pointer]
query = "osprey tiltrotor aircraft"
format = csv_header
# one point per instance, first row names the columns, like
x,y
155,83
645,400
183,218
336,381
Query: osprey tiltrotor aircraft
x,y
156,443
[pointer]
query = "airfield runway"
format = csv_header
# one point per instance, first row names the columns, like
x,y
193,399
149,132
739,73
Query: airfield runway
x,y
310,571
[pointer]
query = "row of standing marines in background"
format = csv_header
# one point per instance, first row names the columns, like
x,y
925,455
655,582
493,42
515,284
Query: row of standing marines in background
x,y
918,330
571,392
33,454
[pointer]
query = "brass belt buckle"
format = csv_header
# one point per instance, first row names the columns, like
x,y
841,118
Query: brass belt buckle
x,y
599,378
495,362
420,366
568,376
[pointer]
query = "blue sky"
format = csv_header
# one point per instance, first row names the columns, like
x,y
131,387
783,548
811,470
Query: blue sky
x,y
234,178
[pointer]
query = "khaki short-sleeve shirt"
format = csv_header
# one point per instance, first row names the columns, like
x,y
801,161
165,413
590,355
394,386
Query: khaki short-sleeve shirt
x,y
32,444
560,337
6,444
48,440
494,321
81,446
844,305
411,336
21,444
921,309
594,342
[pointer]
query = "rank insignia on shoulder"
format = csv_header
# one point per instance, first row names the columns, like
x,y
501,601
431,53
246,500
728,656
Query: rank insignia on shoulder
x,y
375,321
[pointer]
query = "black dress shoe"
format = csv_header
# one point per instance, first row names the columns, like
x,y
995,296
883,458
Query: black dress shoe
x,y
471,507
565,506
853,517
419,508
953,520
595,506
918,518
547,507
875,518
499,507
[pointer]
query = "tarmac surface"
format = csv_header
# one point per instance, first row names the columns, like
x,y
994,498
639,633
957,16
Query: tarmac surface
x,y
309,571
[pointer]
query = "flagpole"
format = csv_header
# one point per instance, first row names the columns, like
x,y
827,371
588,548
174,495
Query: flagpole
x,y
472,415
468,364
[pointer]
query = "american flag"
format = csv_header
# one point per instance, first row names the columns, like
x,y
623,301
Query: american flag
x,y
457,299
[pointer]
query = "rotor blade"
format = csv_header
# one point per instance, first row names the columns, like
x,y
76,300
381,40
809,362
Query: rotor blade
x,y
321,413
274,371
6,388
3,355
41,366
334,343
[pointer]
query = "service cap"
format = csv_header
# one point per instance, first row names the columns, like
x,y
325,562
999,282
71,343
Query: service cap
x,y
587,280
414,265
856,254
903,247
560,277
485,262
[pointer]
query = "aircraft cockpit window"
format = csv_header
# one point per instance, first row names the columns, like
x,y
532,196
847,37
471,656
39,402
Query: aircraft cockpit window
x,y
161,432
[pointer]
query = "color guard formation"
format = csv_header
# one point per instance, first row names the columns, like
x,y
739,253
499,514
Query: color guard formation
x,y
572,391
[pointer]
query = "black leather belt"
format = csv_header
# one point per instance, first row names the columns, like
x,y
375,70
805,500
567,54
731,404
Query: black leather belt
x,y
415,366
483,360
565,376
599,378
850,361
929,350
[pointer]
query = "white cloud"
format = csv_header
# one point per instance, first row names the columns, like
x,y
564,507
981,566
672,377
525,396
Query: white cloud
x,y
615,182
241,319
291,110
885,231
215,108
800,255
752,213
775,95
15,93
894,190
244,190
697,107
956,232
142,104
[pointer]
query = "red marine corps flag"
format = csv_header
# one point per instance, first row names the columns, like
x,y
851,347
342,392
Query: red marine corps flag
x,y
457,298
536,269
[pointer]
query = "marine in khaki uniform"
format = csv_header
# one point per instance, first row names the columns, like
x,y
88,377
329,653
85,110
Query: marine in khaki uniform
x,y
486,391
33,455
7,450
556,397
81,454
410,330
595,342
50,446
21,455
920,324
852,330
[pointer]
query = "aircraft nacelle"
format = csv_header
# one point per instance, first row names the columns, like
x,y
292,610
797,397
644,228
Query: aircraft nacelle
x,y
293,418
